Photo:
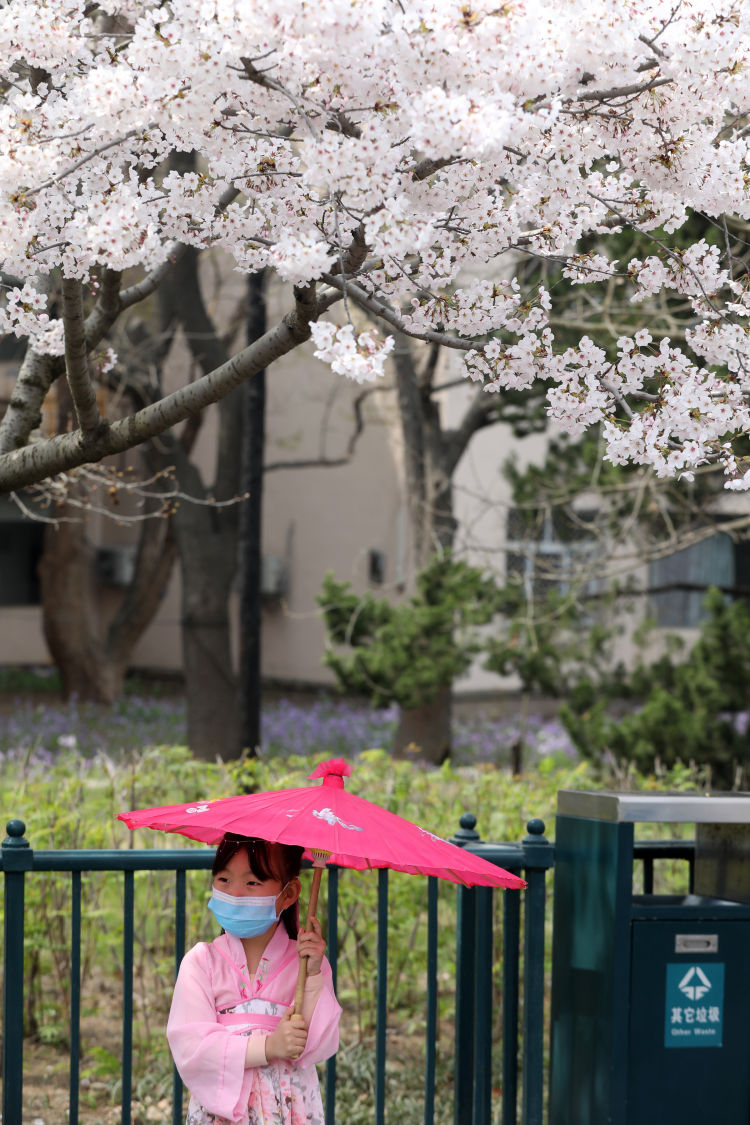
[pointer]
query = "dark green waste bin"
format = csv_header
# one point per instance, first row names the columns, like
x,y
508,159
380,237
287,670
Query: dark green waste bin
x,y
650,1010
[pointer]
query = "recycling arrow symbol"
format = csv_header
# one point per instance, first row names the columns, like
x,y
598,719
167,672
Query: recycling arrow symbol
x,y
695,983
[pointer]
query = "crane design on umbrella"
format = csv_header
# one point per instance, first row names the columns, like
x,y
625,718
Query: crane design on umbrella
x,y
334,826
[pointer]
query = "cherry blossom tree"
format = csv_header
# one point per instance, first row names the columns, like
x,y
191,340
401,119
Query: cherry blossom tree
x,y
396,157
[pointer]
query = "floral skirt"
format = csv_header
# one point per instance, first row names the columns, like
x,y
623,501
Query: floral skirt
x,y
282,1094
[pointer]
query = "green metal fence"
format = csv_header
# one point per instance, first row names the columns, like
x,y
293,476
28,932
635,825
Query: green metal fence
x,y
478,947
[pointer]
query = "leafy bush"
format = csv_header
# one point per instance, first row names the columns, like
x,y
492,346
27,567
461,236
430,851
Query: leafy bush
x,y
695,711
403,652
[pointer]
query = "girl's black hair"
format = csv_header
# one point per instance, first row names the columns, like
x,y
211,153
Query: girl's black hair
x,y
267,861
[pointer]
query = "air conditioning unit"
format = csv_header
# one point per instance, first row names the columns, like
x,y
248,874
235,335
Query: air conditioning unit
x,y
272,576
115,566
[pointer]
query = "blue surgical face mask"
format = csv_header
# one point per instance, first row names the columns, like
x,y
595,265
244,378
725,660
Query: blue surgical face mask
x,y
245,916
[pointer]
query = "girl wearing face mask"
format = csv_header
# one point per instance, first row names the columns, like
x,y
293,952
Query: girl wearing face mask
x,y
240,1052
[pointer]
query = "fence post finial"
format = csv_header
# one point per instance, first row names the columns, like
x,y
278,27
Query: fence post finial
x,y
466,833
16,830
537,850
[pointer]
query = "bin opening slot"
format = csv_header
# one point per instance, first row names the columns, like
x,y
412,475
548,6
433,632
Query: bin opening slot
x,y
696,943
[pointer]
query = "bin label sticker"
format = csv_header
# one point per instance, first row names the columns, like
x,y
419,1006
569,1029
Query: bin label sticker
x,y
695,1005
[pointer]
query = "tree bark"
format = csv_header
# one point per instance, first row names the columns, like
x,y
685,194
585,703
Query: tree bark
x,y
207,543
93,660
88,670
424,733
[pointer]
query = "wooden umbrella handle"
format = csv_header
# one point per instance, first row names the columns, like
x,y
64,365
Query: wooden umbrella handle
x,y
312,906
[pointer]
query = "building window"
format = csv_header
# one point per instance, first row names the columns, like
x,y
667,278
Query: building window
x,y
20,550
678,582
376,567
547,549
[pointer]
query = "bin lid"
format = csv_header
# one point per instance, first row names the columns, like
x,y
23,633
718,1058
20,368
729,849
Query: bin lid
x,y
667,808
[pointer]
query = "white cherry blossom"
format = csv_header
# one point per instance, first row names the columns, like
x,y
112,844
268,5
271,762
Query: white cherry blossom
x,y
400,159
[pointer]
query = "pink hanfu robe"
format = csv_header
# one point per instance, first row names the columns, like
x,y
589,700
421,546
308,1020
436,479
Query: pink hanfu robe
x,y
217,1005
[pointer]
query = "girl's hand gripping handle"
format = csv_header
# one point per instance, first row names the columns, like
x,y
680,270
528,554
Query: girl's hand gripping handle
x,y
287,1040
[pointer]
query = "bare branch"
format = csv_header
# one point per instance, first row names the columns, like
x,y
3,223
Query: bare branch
x,y
324,462
620,91
86,157
382,311
102,491
482,411
425,378
150,283
310,463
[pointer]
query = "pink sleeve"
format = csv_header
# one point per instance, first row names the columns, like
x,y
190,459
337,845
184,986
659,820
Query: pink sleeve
x,y
209,1058
321,1011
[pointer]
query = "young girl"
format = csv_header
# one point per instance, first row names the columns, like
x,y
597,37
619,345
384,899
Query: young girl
x,y
239,1051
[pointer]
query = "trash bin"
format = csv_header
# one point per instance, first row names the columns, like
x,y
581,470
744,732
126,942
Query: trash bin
x,y
650,1008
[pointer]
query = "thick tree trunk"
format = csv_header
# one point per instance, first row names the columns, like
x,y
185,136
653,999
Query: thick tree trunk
x,y
207,542
93,658
213,727
70,620
213,720
424,732
92,662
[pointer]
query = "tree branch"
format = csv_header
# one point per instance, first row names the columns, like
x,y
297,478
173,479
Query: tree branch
x,y
482,411
89,156
382,311
24,410
426,377
331,462
620,91
38,372
82,392
66,451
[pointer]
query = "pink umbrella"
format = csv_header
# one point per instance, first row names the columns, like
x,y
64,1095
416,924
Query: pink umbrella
x,y
333,825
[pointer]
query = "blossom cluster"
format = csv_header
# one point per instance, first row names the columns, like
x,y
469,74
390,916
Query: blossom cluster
x,y
24,313
360,356
448,139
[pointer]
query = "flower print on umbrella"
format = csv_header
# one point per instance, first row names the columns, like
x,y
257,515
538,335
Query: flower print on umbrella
x,y
330,818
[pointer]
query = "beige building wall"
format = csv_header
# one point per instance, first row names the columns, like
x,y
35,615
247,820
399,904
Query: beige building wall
x,y
319,518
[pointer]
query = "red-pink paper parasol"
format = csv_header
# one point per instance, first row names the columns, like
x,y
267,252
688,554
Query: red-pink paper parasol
x,y
333,825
